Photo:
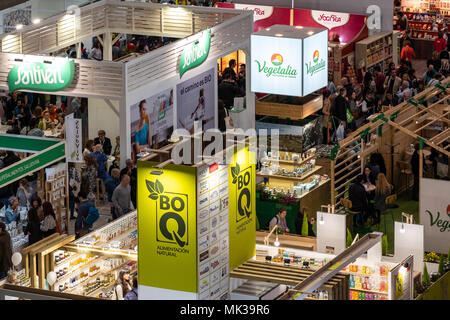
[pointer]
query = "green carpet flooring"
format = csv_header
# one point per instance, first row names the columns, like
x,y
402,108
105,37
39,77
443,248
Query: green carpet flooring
x,y
404,205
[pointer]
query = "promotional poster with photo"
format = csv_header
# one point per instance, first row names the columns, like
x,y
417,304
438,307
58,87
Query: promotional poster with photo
x,y
196,102
152,121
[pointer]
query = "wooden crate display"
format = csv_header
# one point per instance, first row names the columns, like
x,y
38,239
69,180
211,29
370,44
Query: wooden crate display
x,y
286,107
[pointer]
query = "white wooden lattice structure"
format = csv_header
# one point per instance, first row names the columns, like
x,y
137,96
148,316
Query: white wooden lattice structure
x,y
230,31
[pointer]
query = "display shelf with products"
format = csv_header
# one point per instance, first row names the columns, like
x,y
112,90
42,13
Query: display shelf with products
x,y
292,173
426,6
119,236
90,265
374,50
57,193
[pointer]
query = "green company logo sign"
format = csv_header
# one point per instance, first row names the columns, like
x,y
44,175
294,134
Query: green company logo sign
x,y
443,225
277,70
195,54
39,76
316,66
243,198
171,215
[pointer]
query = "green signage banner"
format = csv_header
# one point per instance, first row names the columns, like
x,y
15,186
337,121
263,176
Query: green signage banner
x,y
195,54
22,168
39,76
25,143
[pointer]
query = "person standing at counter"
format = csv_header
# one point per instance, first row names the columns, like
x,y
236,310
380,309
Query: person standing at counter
x,y
122,285
133,294
48,225
12,212
83,211
280,220
104,141
382,191
358,197
33,229
121,197
5,251
23,193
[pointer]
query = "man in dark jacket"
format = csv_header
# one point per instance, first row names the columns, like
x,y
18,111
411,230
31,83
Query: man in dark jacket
x,y
5,251
104,141
228,90
230,69
340,107
358,197
83,212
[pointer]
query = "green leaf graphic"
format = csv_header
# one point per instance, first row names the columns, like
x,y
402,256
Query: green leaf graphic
x,y
72,155
233,172
150,186
159,187
238,169
234,180
153,196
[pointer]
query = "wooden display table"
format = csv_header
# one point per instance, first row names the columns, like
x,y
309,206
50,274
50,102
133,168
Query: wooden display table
x,y
293,241
287,107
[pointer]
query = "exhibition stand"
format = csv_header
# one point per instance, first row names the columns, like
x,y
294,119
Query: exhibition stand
x,y
391,134
426,18
344,31
87,267
43,154
121,86
205,212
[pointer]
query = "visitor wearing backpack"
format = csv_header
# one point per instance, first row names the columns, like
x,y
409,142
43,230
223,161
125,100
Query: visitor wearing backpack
x,y
280,220
87,214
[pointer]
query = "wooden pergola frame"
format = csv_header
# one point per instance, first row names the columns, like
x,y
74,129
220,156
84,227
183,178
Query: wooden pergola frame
x,y
410,118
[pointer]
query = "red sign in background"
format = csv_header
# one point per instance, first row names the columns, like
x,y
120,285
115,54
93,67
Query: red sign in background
x,y
354,30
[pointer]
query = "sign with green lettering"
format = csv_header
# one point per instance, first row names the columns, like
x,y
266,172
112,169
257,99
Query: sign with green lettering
x,y
435,214
40,76
196,53
37,161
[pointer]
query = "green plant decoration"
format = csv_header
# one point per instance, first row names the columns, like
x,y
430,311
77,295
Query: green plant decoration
x,y
384,245
441,265
448,254
426,276
349,238
305,225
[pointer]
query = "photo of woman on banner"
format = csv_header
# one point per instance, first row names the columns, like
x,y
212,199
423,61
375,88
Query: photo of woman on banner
x,y
143,132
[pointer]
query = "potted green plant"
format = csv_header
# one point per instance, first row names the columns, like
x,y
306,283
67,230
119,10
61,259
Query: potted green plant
x,y
432,261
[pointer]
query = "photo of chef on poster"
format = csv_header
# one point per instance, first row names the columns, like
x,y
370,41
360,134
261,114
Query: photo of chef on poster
x,y
152,121
196,102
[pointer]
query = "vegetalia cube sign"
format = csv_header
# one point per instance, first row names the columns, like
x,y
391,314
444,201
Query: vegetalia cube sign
x,y
435,214
42,76
293,66
276,65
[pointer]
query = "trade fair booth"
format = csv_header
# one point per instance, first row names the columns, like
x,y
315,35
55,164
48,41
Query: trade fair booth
x,y
121,86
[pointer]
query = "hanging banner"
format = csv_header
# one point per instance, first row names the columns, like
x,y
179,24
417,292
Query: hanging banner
x,y
196,53
39,76
21,143
242,201
435,214
167,227
37,161
73,139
